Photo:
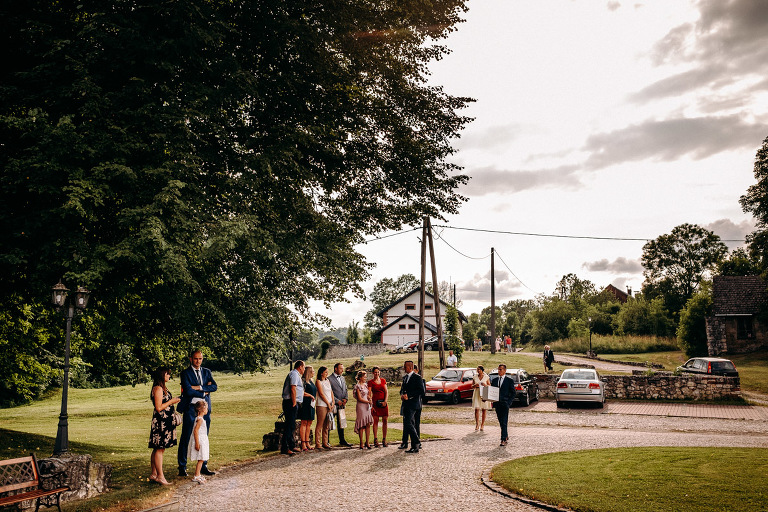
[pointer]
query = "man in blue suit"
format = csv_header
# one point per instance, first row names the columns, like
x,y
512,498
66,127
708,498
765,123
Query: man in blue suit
x,y
506,396
196,382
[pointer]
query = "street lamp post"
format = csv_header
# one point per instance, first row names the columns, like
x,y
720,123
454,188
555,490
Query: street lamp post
x,y
79,301
589,322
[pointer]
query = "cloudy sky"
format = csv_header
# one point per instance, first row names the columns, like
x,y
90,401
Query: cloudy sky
x,y
605,123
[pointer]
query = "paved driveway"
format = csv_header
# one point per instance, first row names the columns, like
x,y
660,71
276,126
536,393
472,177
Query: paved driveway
x,y
445,476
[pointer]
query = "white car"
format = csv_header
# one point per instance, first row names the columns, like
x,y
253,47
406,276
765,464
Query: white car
x,y
580,385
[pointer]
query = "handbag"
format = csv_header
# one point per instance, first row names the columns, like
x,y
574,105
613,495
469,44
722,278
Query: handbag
x,y
177,418
342,418
329,419
380,404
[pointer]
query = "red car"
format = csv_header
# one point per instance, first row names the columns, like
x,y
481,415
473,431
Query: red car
x,y
451,385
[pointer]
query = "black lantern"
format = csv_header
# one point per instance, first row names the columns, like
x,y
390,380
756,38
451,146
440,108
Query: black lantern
x,y
59,294
79,301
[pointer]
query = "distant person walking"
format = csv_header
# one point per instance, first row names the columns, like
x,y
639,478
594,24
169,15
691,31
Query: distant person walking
x,y
549,358
508,343
293,396
162,432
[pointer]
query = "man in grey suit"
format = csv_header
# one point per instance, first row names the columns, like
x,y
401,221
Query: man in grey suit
x,y
340,396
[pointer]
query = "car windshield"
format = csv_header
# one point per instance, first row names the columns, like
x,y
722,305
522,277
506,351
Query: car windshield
x,y
723,365
578,375
452,375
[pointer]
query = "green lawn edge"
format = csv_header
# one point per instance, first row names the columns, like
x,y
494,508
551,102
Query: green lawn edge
x,y
662,479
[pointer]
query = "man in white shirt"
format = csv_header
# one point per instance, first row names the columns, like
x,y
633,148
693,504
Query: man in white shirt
x,y
293,396
452,360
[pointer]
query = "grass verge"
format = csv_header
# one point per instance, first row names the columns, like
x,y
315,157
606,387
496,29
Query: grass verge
x,y
662,479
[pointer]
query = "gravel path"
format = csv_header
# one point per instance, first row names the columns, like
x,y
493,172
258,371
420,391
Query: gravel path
x,y
445,475
576,360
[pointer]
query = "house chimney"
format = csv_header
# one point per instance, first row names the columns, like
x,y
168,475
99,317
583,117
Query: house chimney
x,y
629,291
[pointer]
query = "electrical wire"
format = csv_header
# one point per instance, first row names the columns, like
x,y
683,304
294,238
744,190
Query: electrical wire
x,y
510,271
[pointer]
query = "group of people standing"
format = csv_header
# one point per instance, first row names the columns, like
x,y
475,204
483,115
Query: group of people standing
x,y
324,400
192,411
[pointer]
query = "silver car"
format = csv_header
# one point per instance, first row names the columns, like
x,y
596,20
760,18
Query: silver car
x,y
580,385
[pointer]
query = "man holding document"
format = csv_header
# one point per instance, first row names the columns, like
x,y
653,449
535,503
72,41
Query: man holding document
x,y
504,400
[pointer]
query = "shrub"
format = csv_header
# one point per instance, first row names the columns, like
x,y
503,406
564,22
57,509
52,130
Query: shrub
x,y
692,331
324,347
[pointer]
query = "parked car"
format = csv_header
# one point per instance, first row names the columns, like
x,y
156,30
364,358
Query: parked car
x,y
580,385
526,389
709,366
408,346
432,344
451,385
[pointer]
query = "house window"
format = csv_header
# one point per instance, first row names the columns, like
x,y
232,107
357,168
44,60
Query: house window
x,y
410,307
744,328
401,326
427,306
411,326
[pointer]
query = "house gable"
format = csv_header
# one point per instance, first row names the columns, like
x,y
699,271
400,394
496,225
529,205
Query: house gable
x,y
735,325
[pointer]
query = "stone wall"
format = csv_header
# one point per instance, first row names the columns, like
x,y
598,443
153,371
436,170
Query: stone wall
x,y
661,386
80,473
355,350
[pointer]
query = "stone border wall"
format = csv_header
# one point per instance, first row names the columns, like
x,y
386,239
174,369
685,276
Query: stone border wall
x,y
355,350
663,386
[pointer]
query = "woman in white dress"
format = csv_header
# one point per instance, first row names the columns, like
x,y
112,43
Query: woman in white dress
x,y
323,406
480,379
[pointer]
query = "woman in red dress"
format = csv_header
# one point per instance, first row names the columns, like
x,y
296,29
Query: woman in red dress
x,y
380,395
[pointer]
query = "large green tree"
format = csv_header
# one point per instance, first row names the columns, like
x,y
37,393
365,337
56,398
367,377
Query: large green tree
x,y
676,263
755,201
207,168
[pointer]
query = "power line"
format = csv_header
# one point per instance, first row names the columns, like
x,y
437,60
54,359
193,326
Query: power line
x,y
510,271
440,237
550,235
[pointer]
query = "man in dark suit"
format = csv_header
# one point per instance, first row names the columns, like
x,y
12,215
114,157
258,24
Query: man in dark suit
x,y
196,382
339,388
411,393
416,417
506,396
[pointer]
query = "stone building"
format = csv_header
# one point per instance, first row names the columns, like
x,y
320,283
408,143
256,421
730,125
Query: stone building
x,y
735,325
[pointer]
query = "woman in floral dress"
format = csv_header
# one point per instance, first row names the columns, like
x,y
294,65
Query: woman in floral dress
x,y
162,433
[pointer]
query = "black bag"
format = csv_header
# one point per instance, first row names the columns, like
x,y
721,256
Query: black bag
x,y
380,404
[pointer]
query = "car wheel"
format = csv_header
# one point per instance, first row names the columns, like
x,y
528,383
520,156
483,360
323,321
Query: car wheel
x,y
455,397
536,394
600,405
560,404
526,399
427,347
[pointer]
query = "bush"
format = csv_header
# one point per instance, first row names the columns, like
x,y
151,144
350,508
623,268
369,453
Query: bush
x,y
615,344
457,345
324,347
692,331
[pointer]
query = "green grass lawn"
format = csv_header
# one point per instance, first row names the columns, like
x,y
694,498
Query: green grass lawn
x,y
112,424
642,479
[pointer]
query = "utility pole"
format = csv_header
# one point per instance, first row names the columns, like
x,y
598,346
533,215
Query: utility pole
x,y
493,304
436,291
423,297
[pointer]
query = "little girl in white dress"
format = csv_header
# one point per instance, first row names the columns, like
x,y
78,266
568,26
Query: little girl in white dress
x,y
198,450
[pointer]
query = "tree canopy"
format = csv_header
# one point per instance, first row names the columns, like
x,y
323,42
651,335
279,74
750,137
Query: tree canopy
x,y
207,168
677,262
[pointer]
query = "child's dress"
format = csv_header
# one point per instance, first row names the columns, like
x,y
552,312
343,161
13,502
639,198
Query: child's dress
x,y
202,434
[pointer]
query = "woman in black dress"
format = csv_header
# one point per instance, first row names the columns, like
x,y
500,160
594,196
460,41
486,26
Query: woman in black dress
x,y
162,433
307,412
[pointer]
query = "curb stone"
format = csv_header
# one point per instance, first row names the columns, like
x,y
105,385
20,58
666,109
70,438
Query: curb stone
x,y
485,477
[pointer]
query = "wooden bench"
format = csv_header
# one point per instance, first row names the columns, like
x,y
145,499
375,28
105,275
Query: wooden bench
x,y
23,475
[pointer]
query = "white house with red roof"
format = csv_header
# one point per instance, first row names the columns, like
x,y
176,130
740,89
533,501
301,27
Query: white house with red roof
x,y
400,319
